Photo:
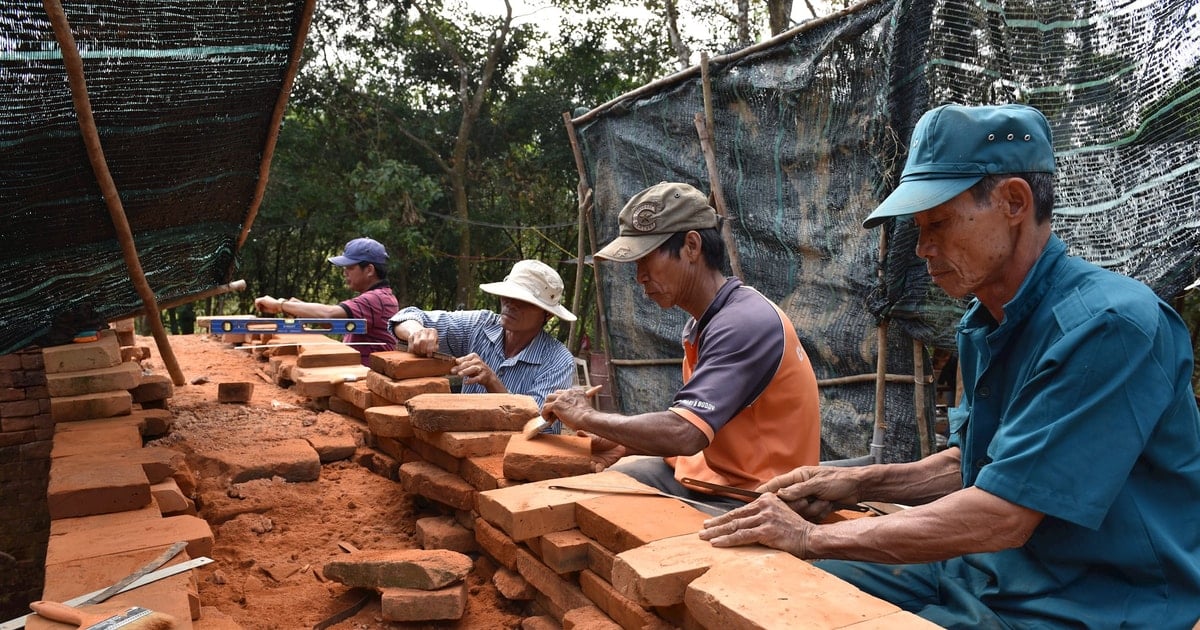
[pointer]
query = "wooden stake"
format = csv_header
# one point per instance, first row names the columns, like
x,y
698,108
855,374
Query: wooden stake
x,y
112,199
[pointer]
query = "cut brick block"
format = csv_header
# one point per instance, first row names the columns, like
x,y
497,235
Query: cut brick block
x,y
498,545
403,568
356,393
339,405
82,488
657,574
280,368
902,620
444,532
239,392
564,594
327,355
94,381
323,381
116,440
102,353
389,421
400,365
70,579
153,387
294,460
533,509
484,473
433,455
511,585
588,618
170,498
135,353
399,392
121,538
784,589
333,448
157,462
85,406
406,604
547,457
83,524
565,551
432,482
622,522
541,622
600,560
154,422
473,412
621,609
462,444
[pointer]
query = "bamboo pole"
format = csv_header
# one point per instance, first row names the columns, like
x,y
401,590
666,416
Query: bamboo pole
x,y
236,285
880,367
264,167
601,318
919,397
704,129
108,188
871,378
583,191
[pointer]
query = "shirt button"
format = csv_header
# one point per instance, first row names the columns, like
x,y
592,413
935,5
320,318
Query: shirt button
x,y
984,391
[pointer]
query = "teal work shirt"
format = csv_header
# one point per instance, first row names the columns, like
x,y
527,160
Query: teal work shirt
x,y
1079,405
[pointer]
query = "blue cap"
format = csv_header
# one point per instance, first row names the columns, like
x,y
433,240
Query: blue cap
x,y
954,146
361,250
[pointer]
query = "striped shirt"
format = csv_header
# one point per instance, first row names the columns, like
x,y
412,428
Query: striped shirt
x,y
374,305
543,366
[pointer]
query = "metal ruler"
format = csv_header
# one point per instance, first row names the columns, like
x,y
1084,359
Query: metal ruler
x,y
175,569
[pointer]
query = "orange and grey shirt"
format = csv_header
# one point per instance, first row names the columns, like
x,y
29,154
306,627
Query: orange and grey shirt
x,y
750,387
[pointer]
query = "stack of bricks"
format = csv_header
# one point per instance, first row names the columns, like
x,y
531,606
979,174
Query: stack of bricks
x,y
25,440
591,558
114,503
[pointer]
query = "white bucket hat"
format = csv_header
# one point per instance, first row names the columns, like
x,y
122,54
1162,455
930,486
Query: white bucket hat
x,y
534,282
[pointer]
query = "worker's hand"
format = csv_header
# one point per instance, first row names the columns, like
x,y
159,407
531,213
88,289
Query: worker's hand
x,y
567,405
811,491
605,452
423,342
767,521
472,369
267,304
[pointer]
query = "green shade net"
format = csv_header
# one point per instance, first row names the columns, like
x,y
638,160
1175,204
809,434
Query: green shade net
x,y
183,94
811,134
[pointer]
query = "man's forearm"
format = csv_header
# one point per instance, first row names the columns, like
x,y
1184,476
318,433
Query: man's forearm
x,y
657,433
912,483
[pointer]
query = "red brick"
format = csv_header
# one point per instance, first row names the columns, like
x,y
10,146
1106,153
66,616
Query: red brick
x,y
401,365
474,412
341,406
784,588
80,488
102,405
433,455
588,618
390,421
406,604
134,353
20,408
426,570
624,611
168,595
484,473
463,444
96,442
496,544
600,560
149,512
153,387
333,448
158,462
657,574
239,392
327,355
622,522
99,541
9,394
398,392
563,593
529,510
565,551
10,362
444,532
511,585
356,393
320,382
293,459
170,498
105,379
547,457
434,483
102,353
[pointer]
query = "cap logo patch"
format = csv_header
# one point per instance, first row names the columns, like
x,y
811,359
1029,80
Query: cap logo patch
x,y
645,216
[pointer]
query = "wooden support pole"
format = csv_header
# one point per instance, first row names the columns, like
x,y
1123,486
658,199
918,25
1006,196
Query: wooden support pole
x,y
584,201
264,166
877,436
919,398
704,129
108,188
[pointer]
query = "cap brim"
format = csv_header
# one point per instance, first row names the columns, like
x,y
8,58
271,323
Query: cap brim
x,y
517,292
342,261
918,195
631,248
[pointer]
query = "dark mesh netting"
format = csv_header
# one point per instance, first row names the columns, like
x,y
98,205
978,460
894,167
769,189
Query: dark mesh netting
x,y
810,136
183,94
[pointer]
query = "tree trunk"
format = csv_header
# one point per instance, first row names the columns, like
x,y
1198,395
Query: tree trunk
x,y
780,12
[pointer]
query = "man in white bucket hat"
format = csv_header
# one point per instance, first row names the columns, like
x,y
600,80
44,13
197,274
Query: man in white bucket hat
x,y
509,351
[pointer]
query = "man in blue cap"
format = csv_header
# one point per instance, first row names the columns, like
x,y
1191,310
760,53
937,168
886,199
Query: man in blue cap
x,y
1068,492
364,266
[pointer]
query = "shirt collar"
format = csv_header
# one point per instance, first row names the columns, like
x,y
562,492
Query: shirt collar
x,y
1035,285
694,327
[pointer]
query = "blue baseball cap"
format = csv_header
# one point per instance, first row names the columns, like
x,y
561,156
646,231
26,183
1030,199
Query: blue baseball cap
x,y
955,146
361,250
